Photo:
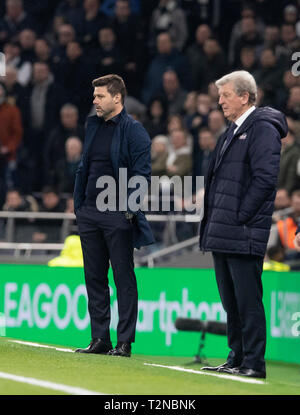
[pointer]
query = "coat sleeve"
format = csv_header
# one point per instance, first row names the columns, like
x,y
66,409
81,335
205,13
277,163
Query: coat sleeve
x,y
79,187
264,160
140,155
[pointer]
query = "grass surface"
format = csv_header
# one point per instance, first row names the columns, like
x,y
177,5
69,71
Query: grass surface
x,y
129,376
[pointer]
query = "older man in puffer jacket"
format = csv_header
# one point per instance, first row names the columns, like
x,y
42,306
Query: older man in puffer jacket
x,y
238,205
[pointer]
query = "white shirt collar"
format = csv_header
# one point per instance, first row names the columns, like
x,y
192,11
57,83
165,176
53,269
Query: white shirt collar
x,y
243,117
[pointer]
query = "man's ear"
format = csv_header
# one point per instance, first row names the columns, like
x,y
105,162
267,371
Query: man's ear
x,y
117,98
245,98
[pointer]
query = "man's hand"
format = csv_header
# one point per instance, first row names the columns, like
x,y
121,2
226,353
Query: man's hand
x,y
297,242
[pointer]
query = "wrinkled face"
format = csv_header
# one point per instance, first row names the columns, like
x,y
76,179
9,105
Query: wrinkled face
x,y
232,104
105,103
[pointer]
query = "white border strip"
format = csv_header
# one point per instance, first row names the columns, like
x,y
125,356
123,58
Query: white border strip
x,y
60,349
48,385
230,377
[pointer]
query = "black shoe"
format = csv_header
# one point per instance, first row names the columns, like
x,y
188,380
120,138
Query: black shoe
x,y
121,349
250,373
96,346
225,367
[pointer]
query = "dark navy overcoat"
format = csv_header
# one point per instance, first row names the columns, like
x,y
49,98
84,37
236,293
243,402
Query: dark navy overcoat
x,y
240,188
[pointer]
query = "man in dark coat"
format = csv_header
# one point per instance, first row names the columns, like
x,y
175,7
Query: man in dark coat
x,y
238,206
114,141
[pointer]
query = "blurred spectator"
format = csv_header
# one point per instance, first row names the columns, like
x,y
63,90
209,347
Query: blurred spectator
x,y
41,12
175,122
292,108
169,17
247,12
74,74
12,51
203,107
206,143
216,123
248,60
210,12
167,57
260,99
42,51
27,40
269,76
282,94
108,56
282,200
173,93
66,33
179,161
286,229
130,40
190,109
14,90
70,11
195,54
290,14
290,157
250,36
67,126
214,63
14,21
69,205
213,94
48,230
155,122
46,97
10,138
92,19
271,39
16,202
65,169
289,41
159,155
134,106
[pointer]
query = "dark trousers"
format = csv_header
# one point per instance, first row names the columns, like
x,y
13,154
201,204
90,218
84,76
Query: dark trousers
x,y
107,236
240,287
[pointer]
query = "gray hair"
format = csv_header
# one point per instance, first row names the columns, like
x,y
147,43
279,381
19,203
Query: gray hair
x,y
243,82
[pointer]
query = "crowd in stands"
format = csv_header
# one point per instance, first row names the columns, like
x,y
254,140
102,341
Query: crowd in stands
x,y
169,53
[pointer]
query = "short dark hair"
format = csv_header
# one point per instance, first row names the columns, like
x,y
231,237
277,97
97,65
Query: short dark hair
x,y
114,83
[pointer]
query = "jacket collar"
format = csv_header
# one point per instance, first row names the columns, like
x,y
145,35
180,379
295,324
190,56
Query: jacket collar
x,y
247,123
